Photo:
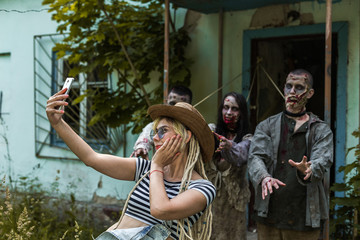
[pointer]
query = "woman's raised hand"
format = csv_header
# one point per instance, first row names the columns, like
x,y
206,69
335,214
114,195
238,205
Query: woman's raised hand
x,y
168,152
53,110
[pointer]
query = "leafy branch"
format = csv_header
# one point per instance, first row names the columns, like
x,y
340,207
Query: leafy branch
x,y
101,4
107,37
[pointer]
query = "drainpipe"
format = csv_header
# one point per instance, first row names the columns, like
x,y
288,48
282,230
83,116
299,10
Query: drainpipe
x,y
166,51
327,113
356,212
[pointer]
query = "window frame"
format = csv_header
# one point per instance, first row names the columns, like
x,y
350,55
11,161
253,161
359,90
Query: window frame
x,y
81,83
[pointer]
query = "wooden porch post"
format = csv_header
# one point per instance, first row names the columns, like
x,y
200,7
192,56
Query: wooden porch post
x,y
166,52
327,113
220,54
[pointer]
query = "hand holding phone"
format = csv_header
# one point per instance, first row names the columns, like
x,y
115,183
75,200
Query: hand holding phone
x,y
67,85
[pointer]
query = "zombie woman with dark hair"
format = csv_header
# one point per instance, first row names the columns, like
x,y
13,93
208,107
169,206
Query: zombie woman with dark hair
x,y
233,120
227,169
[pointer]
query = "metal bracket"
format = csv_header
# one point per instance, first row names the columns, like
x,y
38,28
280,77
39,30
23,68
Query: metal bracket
x,y
1,94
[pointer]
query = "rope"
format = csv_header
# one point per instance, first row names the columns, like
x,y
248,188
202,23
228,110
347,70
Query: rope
x,y
272,81
251,87
217,90
253,82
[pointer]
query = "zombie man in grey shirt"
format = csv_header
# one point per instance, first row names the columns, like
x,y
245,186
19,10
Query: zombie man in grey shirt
x,y
288,158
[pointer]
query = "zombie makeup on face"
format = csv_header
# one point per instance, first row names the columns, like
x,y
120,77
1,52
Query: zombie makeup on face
x,y
174,98
304,77
298,89
230,112
295,90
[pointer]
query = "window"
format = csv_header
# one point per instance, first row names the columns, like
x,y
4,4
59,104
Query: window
x,y
79,115
50,74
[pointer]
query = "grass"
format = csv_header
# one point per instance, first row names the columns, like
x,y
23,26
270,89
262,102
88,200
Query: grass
x,y
33,215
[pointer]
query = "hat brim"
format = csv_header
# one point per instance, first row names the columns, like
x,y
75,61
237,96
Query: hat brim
x,y
194,121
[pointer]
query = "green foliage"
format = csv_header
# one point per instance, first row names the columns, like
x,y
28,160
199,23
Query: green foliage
x,y
93,47
346,209
28,213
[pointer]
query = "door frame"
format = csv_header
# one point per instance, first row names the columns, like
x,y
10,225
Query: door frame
x,y
341,28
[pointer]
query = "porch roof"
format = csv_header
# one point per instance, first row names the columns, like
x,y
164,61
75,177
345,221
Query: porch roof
x,y
214,6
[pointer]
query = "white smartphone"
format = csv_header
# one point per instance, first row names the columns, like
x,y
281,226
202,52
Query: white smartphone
x,y
67,85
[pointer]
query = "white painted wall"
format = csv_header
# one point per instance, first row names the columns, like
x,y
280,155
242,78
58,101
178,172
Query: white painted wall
x,y
17,83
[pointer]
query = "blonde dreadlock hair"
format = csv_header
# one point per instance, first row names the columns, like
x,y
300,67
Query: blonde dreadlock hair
x,y
201,230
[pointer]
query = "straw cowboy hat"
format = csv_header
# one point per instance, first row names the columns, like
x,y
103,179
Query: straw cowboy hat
x,y
191,118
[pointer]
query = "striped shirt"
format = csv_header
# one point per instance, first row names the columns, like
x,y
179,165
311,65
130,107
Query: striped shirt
x,y
139,202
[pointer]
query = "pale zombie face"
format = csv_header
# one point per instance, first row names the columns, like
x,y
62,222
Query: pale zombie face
x,y
230,112
296,92
174,98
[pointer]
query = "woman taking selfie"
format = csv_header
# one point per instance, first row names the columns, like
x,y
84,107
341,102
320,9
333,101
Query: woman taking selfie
x,y
172,197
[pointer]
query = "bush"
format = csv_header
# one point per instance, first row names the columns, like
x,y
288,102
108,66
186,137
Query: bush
x,y
345,224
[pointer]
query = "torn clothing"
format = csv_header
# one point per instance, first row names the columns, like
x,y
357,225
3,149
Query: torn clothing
x,y
232,189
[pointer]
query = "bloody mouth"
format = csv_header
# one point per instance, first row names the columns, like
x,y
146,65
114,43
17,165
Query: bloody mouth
x,y
293,99
229,120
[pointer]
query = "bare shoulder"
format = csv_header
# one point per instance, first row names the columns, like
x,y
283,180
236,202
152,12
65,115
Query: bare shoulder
x,y
196,176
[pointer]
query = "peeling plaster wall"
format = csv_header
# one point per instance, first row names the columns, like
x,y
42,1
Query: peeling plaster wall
x,y
204,50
